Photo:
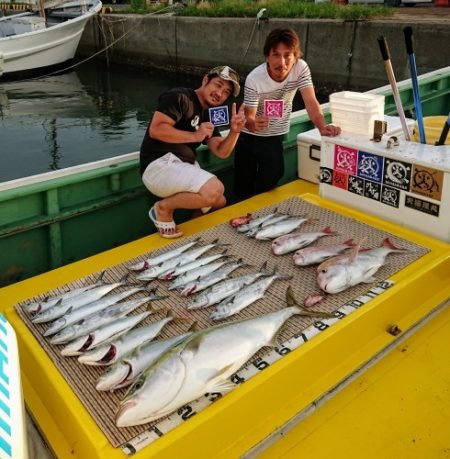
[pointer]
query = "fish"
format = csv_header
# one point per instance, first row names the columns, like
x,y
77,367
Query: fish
x,y
106,333
245,297
290,242
194,265
167,266
203,282
78,301
280,228
315,255
101,318
157,259
238,221
112,351
271,221
123,372
74,315
40,306
346,270
258,221
225,289
202,363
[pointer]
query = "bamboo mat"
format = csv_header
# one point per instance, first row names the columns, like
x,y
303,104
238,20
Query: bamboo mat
x,y
102,405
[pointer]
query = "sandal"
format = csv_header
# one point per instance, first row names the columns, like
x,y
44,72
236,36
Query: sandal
x,y
167,230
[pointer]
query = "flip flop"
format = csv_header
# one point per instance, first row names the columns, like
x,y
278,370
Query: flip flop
x,y
167,230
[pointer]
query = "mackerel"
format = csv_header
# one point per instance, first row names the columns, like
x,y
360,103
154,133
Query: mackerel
x,y
169,265
225,289
78,301
256,222
202,363
107,333
245,297
290,242
192,270
73,316
280,228
124,372
203,282
101,318
271,221
143,265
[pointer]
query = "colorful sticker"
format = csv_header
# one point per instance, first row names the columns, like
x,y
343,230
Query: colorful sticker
x,y
326,175
273,108
340,180
427,182
421,205
397,174
390,196
370,166
219,115
345,159
372,190
356,185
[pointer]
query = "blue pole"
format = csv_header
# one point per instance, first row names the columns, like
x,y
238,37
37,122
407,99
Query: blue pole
x,y
413,71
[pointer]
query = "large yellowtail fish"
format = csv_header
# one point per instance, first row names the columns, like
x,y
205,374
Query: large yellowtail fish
x,y
349,269
200,364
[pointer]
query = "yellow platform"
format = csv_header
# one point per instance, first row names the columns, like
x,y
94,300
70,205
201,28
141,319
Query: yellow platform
x,y
234,424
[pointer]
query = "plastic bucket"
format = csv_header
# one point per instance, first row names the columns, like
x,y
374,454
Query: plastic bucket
x,y
433,127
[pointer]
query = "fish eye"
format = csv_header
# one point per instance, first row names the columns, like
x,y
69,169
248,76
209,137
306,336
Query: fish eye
x,y
323,271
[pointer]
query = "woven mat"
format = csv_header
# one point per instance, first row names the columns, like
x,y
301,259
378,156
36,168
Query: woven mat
x,y
102,405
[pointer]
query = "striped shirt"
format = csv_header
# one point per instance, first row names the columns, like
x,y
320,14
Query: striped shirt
x,y
259,86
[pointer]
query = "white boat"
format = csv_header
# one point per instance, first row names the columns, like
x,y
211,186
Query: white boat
x,y
34,40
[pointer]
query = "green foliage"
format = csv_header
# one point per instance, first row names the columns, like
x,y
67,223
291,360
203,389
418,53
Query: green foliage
x,y
282,9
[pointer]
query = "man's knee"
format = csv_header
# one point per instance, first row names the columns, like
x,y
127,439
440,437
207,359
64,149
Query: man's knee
x,y
213,193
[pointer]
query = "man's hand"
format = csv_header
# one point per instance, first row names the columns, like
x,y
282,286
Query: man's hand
x,y
237,119
330,130
204,131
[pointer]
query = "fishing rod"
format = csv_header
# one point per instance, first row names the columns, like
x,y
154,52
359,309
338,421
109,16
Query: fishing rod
x,y
409,41
391,77
444,132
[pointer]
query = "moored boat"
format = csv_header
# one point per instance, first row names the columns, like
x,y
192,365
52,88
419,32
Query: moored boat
x,y
34,40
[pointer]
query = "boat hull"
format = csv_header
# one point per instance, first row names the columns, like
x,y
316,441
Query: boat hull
x,y
44,47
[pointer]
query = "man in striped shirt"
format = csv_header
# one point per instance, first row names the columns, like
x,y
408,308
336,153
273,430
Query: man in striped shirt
x,y
269,91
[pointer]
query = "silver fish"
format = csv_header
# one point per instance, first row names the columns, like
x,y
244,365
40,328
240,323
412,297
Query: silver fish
x,y
200,364
346,270
202,270
258,221
315,255
203,282
290,242
73,316
280,228
107,333
245,297
99,319
225,289
123,372
157,259
76,302
168,265
115,350
271,221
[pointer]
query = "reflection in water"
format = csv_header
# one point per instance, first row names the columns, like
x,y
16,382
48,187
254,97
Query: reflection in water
x,y
78,117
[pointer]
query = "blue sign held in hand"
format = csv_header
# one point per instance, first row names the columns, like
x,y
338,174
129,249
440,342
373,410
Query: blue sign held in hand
x,y
219,116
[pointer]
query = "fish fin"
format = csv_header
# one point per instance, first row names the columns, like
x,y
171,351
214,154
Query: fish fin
x,y
263,268
124,279
292,301
329,231
279,275
349,242
223,386
370,280
194,327
390,245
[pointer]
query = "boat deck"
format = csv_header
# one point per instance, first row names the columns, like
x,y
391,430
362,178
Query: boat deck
x,y
333,426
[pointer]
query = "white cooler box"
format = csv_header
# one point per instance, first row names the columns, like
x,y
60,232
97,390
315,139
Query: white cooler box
x,y
308,147
408,184
13,440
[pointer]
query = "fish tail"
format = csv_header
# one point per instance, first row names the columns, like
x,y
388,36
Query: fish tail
x,y
390,245
328,230
153,296
292,301
349,242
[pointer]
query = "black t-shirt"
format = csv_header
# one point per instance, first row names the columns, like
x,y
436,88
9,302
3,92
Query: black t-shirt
x,y
183,106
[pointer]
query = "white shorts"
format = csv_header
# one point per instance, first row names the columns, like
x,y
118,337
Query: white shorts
x,y
169,175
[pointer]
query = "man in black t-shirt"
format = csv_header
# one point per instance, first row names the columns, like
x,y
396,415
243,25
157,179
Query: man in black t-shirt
x,y
168,152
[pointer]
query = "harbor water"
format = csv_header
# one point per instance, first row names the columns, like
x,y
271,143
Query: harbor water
x,y
90,113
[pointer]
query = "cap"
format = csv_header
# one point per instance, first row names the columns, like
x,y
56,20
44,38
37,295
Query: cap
x,y
227,73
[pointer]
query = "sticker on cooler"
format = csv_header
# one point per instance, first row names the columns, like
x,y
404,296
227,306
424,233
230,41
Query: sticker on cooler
x,y
345,159
273,108
219,116
397,174
370,166
427,182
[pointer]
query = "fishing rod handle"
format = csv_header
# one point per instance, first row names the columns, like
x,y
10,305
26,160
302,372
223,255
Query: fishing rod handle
x,y
384,48
409,40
